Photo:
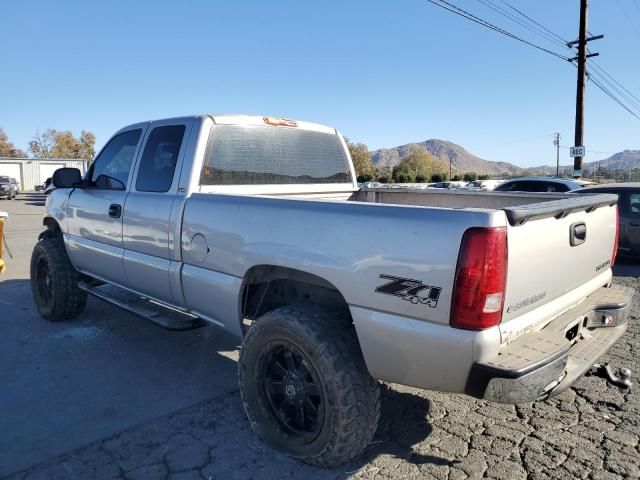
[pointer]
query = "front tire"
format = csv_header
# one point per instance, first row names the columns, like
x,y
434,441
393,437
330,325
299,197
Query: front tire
x,y
305,386
54,282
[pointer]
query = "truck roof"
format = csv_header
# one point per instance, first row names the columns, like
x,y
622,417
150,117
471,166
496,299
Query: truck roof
x,y
242,119
260,120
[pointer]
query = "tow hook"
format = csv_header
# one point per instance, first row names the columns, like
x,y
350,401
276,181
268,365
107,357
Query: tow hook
x,y
622,380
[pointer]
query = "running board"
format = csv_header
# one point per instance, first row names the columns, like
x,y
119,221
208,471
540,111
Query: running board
x,y
165,317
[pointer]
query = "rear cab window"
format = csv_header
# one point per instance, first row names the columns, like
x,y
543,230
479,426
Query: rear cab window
x,y
159,159
268,155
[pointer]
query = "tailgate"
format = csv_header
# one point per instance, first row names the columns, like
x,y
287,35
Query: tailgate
x,y
559,252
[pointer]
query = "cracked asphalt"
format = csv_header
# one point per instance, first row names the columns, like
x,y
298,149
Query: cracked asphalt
x,y
591,432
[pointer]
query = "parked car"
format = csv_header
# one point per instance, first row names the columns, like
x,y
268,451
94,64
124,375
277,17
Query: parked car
x,y
255,225
48,186
484,185
448,185
538,184
16,185
8,189
371,185
629,210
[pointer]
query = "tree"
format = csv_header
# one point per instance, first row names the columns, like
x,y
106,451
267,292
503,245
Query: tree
x,y
403,177
419,162
456,178
55,144
7,148
41,144
470,177
438,177
420,178
383,173
361,158
483,177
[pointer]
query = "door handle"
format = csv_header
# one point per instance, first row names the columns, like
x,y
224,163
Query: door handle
x,y
577,234
115,210
633,224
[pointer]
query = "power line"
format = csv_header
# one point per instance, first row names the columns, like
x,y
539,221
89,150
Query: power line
x,y
469,16
532,20
616,86
598,79
612,96
528,26
626,15
596,82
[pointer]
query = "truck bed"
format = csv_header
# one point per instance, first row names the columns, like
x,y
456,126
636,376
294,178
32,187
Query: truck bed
x,y
518,206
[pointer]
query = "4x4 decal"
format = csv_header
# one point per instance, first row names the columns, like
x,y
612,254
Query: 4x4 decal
x,y
413,291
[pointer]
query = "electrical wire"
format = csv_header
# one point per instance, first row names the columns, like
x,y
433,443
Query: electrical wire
x,y
598,79
594,79
615,85
531,27
612,96
628,17
532,20
469,16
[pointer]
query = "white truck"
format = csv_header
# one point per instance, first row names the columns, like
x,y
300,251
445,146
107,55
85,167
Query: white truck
x,y
255,225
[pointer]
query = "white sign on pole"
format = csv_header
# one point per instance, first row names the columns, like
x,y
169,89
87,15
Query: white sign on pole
x,y
576,151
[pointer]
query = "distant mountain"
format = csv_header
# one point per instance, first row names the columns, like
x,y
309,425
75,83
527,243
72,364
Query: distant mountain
x,y
625,160
462,160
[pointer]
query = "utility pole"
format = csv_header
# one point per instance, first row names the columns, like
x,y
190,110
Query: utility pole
x,y
556,142
580,87
582,60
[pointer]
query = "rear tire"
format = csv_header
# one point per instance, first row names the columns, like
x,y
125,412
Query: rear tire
x,y
305,386
54,282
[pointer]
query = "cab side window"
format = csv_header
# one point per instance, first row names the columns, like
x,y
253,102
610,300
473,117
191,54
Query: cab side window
x,y
629,203
110,171
159,159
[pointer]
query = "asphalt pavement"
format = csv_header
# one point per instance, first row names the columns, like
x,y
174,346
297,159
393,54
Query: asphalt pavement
x,y
109,396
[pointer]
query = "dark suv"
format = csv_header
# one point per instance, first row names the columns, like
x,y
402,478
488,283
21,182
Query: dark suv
x,y
8,189
538,184
628,214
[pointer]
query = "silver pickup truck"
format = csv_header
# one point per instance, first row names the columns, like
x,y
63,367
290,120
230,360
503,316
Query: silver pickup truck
x,y
256,226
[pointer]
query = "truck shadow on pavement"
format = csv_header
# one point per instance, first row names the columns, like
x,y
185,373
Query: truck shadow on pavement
x,y
157,400
33,199
403,424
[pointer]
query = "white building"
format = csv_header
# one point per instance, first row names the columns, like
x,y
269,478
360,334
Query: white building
x,y
30,172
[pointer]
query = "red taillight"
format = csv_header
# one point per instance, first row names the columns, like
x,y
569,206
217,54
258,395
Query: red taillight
x,y
615,244
481,275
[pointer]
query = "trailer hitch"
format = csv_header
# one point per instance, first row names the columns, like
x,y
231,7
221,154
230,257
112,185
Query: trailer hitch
x,y
622,380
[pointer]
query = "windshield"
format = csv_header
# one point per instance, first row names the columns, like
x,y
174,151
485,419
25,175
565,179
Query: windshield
x,y
256,155
5,179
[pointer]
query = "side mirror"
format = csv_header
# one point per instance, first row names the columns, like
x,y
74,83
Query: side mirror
x,y
66,178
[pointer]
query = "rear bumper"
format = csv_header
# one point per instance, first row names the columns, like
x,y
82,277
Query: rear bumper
x,y
541,364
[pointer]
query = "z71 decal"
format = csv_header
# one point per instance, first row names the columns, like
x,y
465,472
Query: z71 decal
x,y
413,291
